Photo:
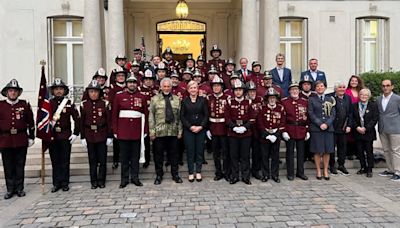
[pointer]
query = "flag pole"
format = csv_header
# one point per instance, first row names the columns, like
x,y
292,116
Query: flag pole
x,y
43,171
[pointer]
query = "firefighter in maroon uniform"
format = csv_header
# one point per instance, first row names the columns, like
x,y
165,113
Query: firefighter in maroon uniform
x,y
161,72
306,91
120,77
187,75
256,103
271,124
267,83
60,147
204,88
101,77
176,90
17,133
148,90
120,60
238,114
129,118
219,63
217,132
201,65
229,71
296,130
256,76
168,60
135,71
96,132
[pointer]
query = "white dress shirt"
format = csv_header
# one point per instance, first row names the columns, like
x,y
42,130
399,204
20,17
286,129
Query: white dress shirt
x,y
385,101
280,73
314,75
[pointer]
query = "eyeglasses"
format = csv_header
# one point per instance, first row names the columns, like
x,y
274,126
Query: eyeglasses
x,y
386,85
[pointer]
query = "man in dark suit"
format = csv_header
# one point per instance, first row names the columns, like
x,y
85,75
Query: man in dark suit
x,y
243,72
342,126
281,75
314,73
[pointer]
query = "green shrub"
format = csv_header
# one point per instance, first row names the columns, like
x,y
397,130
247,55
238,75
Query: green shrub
x,y
373,81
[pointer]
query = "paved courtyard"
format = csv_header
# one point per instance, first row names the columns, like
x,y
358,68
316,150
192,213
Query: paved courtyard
x,y
352,201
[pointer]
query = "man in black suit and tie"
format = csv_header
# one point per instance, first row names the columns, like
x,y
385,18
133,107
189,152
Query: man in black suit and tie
x,y
243,72
314,73
281,75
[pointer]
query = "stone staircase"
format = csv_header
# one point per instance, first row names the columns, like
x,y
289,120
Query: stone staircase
x,y
80,164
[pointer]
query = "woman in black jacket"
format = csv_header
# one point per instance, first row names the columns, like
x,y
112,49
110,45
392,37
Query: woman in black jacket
x,y
194,117
366,115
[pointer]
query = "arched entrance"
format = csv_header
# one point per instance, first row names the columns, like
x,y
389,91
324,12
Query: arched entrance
x,y
184,37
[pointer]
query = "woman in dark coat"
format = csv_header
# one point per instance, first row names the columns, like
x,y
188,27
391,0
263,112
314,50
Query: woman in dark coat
x,y
322,114
366,115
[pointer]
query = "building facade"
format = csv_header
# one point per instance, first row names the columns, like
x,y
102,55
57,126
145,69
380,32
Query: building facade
x,y
76,37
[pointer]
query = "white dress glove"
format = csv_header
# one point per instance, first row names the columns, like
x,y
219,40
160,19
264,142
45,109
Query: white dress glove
x,y
307,136
285,136
115,136
144,135
236,129
109,141
31,142
209,135
243,129
72,138
272,138
84,143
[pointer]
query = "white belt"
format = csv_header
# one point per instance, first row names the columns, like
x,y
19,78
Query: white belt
x,y
130,114
136,114
216,120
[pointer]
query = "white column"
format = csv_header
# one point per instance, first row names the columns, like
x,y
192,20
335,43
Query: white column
x,y
116,34
249,31
270,11
92,57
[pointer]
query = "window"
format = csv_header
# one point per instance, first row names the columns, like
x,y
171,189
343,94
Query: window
x,y
66,53
293,43
372,45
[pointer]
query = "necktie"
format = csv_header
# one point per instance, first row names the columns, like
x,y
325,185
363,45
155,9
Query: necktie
x,y
322,98
244,75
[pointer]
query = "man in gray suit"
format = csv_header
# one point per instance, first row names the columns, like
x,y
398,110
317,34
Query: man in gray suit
x,y
389,129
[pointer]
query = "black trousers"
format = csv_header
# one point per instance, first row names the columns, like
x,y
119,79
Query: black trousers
x,y
147,148
97,153
14,167
239,151
116,150
181,149
270,151
256,158
219,147
60,155
168,144
307,153
130,154
341,147
194,143
366,154
299,143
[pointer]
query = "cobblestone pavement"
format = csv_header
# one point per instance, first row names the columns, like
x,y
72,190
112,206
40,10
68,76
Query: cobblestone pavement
x,y
352,201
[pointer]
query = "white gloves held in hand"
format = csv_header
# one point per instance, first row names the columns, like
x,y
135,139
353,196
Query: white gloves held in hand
x,y
72,138
31,142
307,136
109,141
239,130
209,135
271,138
84,143
285,136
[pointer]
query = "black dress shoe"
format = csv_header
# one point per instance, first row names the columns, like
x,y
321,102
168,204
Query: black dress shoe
x,y
369,174
361,171
8,195
137,182
55,189
102,185
177,179
21,193
246,181
123,185
276,179
233,181
264,179
191,180
65,188
146,164
290,178
205,162
257,176
218,177
333,170
158,180
327,178
115,165
180,163
350,157
167,164
302,176
318,177
94,186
